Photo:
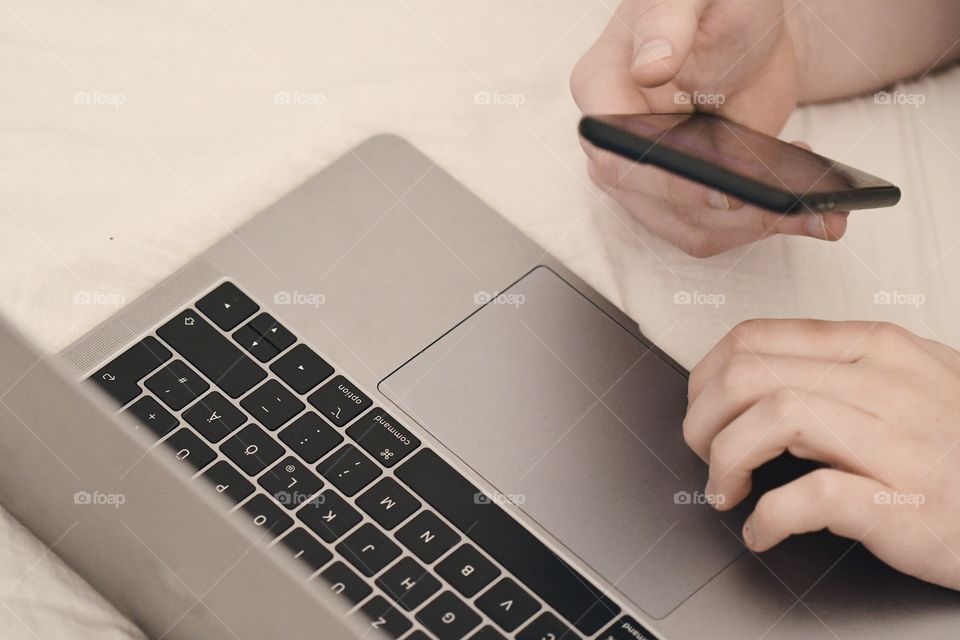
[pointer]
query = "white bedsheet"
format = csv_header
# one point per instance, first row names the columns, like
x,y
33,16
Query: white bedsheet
x,y
183,139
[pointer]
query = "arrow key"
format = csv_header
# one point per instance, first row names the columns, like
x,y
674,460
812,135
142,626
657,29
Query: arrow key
x,y
258,346
301,368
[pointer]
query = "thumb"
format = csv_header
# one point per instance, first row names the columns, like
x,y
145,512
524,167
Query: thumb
x,y
663,36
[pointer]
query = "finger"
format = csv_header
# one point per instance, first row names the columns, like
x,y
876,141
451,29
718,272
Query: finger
x,y
814,428
816,339
665,219
747,378
663,36
601,81
836,500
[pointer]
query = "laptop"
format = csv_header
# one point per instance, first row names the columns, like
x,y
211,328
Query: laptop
x,y
379,410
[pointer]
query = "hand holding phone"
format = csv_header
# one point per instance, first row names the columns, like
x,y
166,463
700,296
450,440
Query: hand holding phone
x,y
735,57
739,161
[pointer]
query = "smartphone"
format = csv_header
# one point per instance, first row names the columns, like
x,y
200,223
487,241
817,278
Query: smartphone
x,y
737,160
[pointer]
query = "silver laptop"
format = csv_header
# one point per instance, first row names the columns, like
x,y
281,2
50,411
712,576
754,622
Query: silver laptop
x,y
379,410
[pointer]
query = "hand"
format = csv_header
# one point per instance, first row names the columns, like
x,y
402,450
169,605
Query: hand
x,y
877,404
736,57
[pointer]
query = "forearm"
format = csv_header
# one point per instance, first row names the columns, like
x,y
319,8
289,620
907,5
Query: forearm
x,y
850,47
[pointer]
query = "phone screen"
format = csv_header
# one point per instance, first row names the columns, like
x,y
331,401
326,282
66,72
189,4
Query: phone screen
x,y
743,151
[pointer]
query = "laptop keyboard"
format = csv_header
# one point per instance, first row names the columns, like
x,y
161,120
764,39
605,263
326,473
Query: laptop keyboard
x,y
306,456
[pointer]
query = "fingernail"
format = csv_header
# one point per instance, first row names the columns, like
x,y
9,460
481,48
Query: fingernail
x,y
748,534
718,199
815,227
711,495
651,51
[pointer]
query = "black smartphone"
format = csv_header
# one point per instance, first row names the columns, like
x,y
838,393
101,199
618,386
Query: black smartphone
x,y
740,161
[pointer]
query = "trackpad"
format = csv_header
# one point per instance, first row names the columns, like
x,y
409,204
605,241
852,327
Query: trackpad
x,y
559,407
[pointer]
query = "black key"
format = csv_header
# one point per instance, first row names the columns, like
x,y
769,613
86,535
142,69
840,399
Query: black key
x,y
148,412
305,547
343,581
448,617
427,536
388,503
488,633
252,449
214,417
339,401
384,617
267,515
408,583
215,356
290,482
383,437
177,385
272,331
301,368
311,437
368,550
547,626
626,628
119,377
508,542
227,306
467,571
329,516
508,604
348,469
272,405
228,481
258,346
189,448
417,635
